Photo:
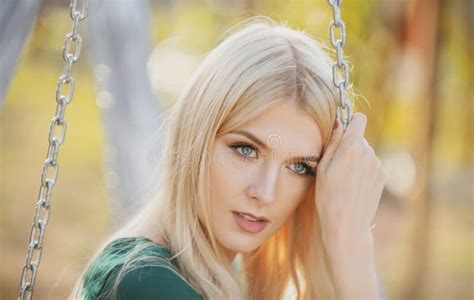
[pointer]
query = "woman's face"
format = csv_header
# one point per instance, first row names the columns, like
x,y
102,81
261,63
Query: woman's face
x,y
259,169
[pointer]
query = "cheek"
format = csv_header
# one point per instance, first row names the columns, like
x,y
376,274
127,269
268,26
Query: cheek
x,y
290,199
227,181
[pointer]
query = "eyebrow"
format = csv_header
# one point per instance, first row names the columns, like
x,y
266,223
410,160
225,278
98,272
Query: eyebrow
x,y
311,158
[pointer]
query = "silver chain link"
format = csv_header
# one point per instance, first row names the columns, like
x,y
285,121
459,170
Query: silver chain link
x,y
340,69
49,174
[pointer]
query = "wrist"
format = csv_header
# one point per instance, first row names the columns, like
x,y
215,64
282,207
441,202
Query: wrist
x,y
347,241
352,266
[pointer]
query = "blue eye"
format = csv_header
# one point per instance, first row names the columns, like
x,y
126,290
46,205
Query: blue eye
x,y
246,149
302,168
306,170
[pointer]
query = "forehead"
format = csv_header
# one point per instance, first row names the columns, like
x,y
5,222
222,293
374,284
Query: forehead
x,y
286,126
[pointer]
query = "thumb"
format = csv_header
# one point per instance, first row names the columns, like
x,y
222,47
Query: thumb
x,y
332,145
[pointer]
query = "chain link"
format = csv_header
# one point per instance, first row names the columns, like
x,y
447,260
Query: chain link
x,y
340,69
49,173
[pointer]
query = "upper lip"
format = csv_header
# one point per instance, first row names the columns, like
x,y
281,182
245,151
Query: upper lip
x,y
253,216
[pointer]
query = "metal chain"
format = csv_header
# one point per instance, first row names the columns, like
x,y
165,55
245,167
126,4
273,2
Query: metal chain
x,y
49,174
340,69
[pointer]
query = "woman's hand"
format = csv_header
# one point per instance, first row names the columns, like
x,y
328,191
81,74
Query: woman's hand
x,y
349,184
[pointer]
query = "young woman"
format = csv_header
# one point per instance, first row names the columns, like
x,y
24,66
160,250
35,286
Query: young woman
x,y
256,167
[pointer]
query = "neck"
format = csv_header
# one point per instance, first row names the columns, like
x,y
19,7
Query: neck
x,y
230,255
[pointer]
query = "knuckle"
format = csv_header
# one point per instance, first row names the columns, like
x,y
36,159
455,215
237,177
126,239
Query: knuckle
x,y
382,171
365,153
361,117
368,149
359,152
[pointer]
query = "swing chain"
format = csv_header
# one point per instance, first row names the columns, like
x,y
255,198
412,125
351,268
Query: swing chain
x,y
340,69
50,165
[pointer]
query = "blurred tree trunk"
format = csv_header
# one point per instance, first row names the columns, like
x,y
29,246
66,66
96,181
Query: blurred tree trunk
x,y
422,50
16,19
120,43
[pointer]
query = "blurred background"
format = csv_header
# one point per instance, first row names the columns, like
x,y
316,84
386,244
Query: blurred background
x,y
412,60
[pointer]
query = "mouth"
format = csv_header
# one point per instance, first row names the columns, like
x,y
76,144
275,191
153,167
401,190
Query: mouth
x,y
249,222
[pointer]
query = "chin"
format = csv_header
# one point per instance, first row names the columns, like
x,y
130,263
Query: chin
x,y
242,248
240,243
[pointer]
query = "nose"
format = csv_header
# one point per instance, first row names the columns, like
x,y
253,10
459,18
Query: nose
x,y
263,185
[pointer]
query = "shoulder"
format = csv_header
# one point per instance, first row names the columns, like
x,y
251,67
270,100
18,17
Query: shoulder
x,y
139,268
154,282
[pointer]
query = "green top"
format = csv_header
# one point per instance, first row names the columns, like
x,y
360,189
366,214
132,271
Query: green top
x,y
143,281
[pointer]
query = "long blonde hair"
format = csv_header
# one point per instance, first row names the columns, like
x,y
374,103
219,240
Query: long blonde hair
x,y
258,65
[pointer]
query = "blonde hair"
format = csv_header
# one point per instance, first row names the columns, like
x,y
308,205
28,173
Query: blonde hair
x,y
260,63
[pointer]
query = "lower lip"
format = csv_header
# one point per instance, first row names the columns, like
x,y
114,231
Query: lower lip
x,y
247,225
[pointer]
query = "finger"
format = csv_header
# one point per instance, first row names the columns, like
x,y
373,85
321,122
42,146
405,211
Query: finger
x,y
367,146
355,129
365,143
332,145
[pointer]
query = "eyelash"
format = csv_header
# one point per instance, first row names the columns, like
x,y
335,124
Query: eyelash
x,y
310,171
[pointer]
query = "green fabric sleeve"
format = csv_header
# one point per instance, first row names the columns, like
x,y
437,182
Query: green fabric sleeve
x,y
154,282
150,274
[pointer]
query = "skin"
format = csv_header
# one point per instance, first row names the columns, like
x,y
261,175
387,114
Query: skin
x,y
346,214
265,182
